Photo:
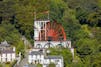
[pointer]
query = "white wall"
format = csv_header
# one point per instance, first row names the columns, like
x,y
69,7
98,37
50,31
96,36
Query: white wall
x,y
33,58
13,56
9,57
0,58
53,44
37,28
30,59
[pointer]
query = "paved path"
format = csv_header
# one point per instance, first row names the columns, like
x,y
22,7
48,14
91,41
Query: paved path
x,y
26,42
24,61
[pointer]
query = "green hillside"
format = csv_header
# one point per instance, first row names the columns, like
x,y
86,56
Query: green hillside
x,y
81,20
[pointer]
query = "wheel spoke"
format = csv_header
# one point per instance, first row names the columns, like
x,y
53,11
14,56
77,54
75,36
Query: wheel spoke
x,y
54,30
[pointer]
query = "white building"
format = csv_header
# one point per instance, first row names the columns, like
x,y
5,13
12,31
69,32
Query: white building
x,y
36,57
7,53
57,60
40,25
7,56
40,57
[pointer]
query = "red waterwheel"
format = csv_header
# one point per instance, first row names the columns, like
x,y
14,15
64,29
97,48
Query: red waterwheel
x,y
54,32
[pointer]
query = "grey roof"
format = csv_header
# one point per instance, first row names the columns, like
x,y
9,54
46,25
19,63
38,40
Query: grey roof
x,y
36,53
53,57
31,65
7,51
4,44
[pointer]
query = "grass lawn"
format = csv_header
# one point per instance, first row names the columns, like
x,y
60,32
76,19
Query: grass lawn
x,y
39,65
7,65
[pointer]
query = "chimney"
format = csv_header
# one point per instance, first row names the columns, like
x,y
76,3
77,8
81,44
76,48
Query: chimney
x,y
14,49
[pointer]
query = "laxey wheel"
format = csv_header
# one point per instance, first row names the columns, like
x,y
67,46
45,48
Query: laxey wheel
x,y
54,32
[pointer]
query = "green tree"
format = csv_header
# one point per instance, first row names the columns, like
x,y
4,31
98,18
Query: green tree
x,y
9,33
6,9
86,47
57,8
71,24
95,59
20,48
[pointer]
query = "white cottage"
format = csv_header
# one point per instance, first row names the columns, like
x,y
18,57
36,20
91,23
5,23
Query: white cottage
x,y
40,57
7,54
57,60
36,57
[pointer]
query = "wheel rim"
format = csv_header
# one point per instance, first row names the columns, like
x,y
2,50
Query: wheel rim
x,y
54,32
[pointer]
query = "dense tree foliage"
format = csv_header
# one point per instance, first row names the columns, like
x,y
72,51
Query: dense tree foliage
x,y
81,20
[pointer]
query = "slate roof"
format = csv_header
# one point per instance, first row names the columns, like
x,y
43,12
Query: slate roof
x,y
7,51
53,57
32,65
36,53
4,44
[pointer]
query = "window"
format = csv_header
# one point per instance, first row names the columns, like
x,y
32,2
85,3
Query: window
x,y
56,60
